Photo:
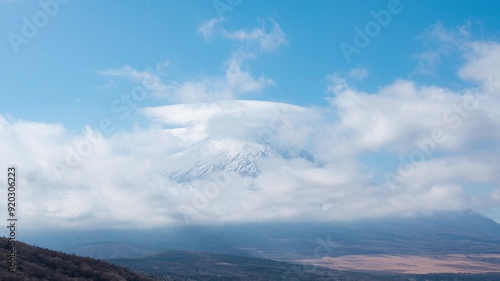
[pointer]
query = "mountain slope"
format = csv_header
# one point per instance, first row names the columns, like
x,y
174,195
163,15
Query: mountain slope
x,y
42,264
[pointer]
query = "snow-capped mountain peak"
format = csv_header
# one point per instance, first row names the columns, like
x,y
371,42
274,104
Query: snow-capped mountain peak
x,y
214,156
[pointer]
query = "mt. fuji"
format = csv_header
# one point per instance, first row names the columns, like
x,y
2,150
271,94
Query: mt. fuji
x,y
233,136
215,156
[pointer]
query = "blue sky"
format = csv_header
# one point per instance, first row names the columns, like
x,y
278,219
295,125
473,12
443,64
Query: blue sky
x,y
358,114
60,63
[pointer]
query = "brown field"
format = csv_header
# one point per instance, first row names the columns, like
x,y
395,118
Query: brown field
x,y
411,264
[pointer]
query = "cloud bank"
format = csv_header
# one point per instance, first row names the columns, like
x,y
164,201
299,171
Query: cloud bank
x,y
443,145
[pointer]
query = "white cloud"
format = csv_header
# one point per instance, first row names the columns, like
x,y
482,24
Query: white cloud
x,y
239,79
496,195
441,42
483,65
403,112
359,73
235,82
264,38
116,171
206,28
202,113
452,169
147,78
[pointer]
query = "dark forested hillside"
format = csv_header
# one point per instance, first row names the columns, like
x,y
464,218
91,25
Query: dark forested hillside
x,y
34,263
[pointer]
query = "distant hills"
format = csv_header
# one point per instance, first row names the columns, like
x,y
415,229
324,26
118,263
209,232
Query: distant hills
x,y
437,234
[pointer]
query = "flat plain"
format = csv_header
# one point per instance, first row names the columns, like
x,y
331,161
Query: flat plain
x,y
408,264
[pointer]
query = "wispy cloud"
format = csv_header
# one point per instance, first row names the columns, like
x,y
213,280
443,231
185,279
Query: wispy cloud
x,y
236,80
359,73
147,78
266,40
264,37
441,42
207,28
